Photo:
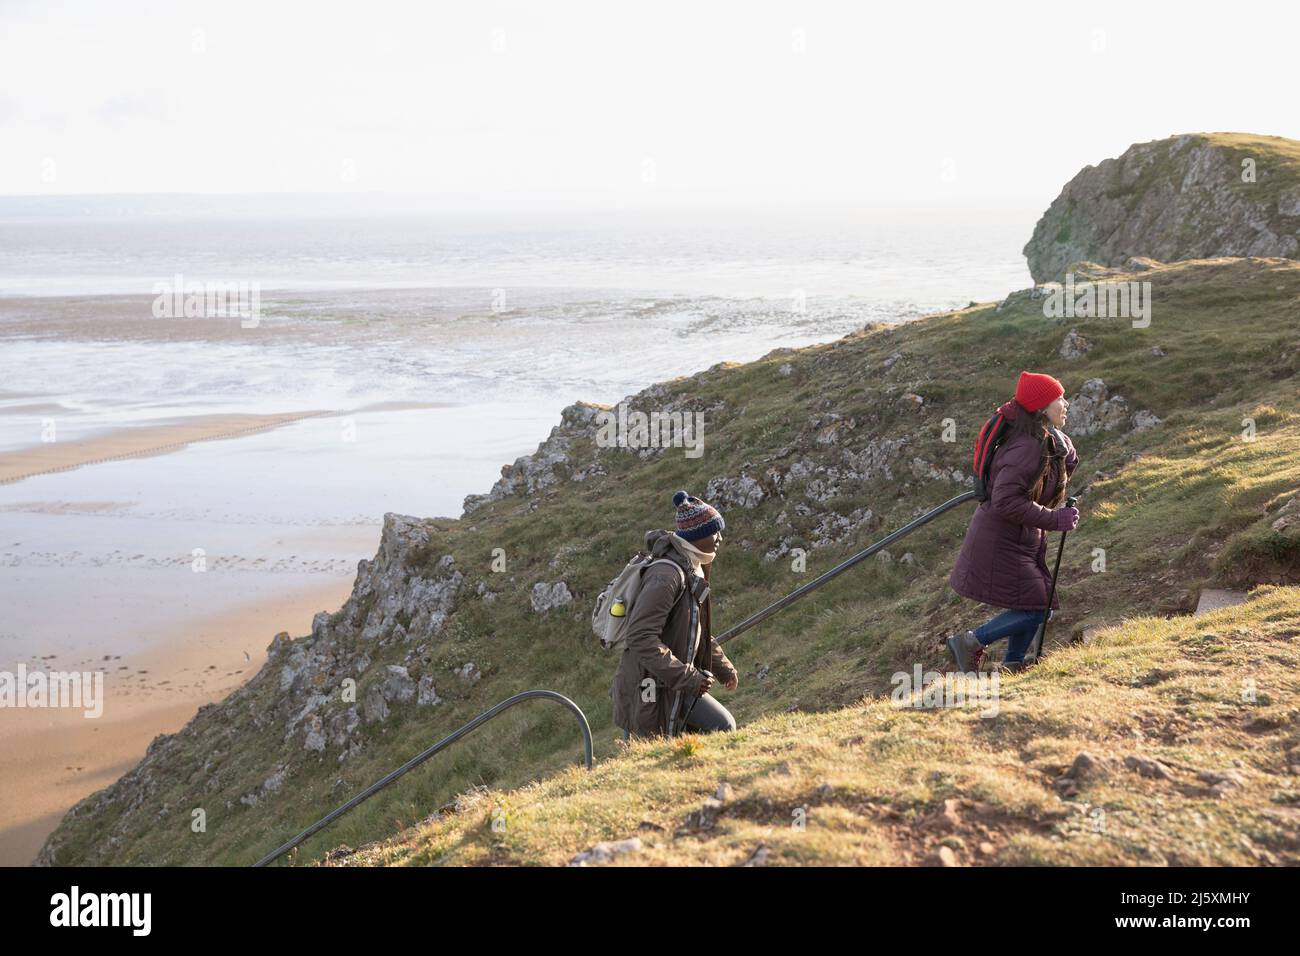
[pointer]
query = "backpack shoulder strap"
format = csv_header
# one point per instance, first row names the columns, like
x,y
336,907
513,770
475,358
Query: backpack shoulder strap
x,y
990,439
681,574
699,591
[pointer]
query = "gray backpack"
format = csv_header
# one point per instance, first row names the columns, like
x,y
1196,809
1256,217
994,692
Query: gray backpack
x,y
614,604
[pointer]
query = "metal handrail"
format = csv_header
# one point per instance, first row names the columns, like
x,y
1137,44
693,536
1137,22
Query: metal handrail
x,y
817,582
422,757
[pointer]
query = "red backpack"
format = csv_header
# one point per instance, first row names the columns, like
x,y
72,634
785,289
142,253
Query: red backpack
x,y
991,437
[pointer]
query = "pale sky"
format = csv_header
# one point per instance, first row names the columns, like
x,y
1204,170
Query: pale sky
x,y
609,103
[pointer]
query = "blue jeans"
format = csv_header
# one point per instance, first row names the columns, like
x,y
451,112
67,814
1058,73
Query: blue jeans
x,y
706,716
709,715
1018,627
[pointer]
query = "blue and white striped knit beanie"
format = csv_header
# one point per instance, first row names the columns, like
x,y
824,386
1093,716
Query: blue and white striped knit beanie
x,y
696,519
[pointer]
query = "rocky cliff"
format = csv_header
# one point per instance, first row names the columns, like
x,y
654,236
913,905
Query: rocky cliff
x,y
1195,196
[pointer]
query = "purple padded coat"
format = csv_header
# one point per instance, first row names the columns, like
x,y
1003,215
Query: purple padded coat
x,y
1003,561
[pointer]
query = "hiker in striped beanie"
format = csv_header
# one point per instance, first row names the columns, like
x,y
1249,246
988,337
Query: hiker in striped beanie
x,y
671,661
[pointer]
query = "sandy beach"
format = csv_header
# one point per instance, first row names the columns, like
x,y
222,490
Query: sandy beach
x,y
103,585
159,439
51,758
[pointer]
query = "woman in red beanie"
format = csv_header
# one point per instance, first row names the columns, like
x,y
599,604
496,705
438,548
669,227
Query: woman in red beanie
x,y
1003,561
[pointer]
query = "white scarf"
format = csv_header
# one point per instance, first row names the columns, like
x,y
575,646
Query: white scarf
x,y
692,553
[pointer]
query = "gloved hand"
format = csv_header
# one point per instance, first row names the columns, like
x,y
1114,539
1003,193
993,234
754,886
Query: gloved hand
x,y
704,682
1065,519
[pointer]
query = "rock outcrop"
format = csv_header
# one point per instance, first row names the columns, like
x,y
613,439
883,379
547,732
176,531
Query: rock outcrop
x,y
1196,196
1093,409
548,597
550,464
1074,347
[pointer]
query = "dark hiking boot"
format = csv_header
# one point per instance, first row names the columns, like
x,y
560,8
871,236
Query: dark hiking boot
x,y
967,651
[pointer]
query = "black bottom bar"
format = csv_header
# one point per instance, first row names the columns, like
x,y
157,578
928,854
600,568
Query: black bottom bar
x,y
213,906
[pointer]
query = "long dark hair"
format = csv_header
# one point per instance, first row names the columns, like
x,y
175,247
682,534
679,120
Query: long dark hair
x,y
1038,428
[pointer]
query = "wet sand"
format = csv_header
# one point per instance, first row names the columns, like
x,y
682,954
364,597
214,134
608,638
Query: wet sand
x,y
108,584
135,442
52,758
139,441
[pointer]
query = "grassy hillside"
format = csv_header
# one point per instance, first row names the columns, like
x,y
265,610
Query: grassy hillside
x,y
1187,729
844,441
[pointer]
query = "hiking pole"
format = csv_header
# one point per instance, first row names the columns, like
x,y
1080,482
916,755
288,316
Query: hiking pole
x,y
839,569
677,716
678,724
1070,502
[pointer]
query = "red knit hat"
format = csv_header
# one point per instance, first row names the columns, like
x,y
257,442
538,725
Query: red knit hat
x,y
1035,391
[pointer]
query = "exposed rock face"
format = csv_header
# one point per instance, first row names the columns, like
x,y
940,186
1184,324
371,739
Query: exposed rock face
x,y
547,597
1172,199
547,466
469,672
742,492
577,449
389,598
428,694
1287,516
1075,346
398,684
1095,410
1145,419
